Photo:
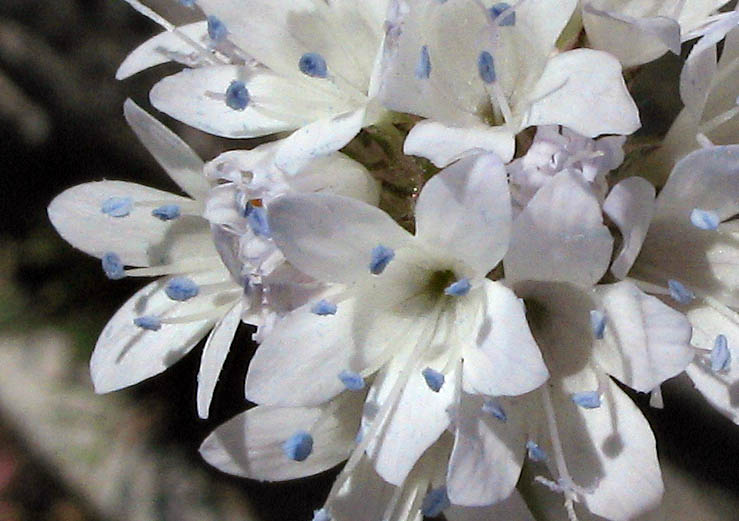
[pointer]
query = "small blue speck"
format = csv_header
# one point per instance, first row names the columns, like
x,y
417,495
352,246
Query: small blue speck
x,y
434,379
381,257
148,322
117,206
492,407
598,323
435,502
313,65
486,67
256,216
187,3
704,219
167,212
321,515
720,355
216,29
497,9
323,307
237,95
535,452
587,399
423,67
459,288
181,289
351,380
299,446
112,266
679,292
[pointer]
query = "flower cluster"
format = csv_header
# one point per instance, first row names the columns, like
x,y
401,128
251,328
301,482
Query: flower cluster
x,y
448,260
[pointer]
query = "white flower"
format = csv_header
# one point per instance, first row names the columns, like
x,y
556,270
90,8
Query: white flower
x,y
480,67
412,316
638,32
266,66
159,234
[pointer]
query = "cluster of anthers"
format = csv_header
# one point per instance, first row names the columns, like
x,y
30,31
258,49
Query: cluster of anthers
x,y
447,258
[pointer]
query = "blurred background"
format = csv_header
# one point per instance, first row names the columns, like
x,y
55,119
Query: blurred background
x,y
67,454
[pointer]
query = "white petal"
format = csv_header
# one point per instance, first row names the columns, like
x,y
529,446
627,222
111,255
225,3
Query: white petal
x,y
646,342
340,175
250,444
505,360
214,355
442,144
513,508
364,496
163,48
126,354
182,164
198,97
560,235
318,139
721,389
331,237
630,205
488,453
585,91
139,239
465,212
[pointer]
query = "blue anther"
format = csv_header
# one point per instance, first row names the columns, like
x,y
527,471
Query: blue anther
x,y
216,29
321,515
351,380
187,3
598,323
423,67
112,266
434,379
148,322
299,446
459,288
679,292
486,67
720,355
492,407
587,399
381,257
256,216
704,219
535,452
323,307
237,95
117,206
435,502
497,10
181,289
313,65
167,212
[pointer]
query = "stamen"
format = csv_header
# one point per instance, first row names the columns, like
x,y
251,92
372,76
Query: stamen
x,y
535,452
323,307
351,380
679,292
117,206
181,289
704,219
492,407
598,323
148,322
498,9
486,67
435,502
167,212
321,515
720,355
312,64
237,95
299,446
112,266
381,257
187,265
459,288
587,399
257,218
423,67
216,29
434,379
